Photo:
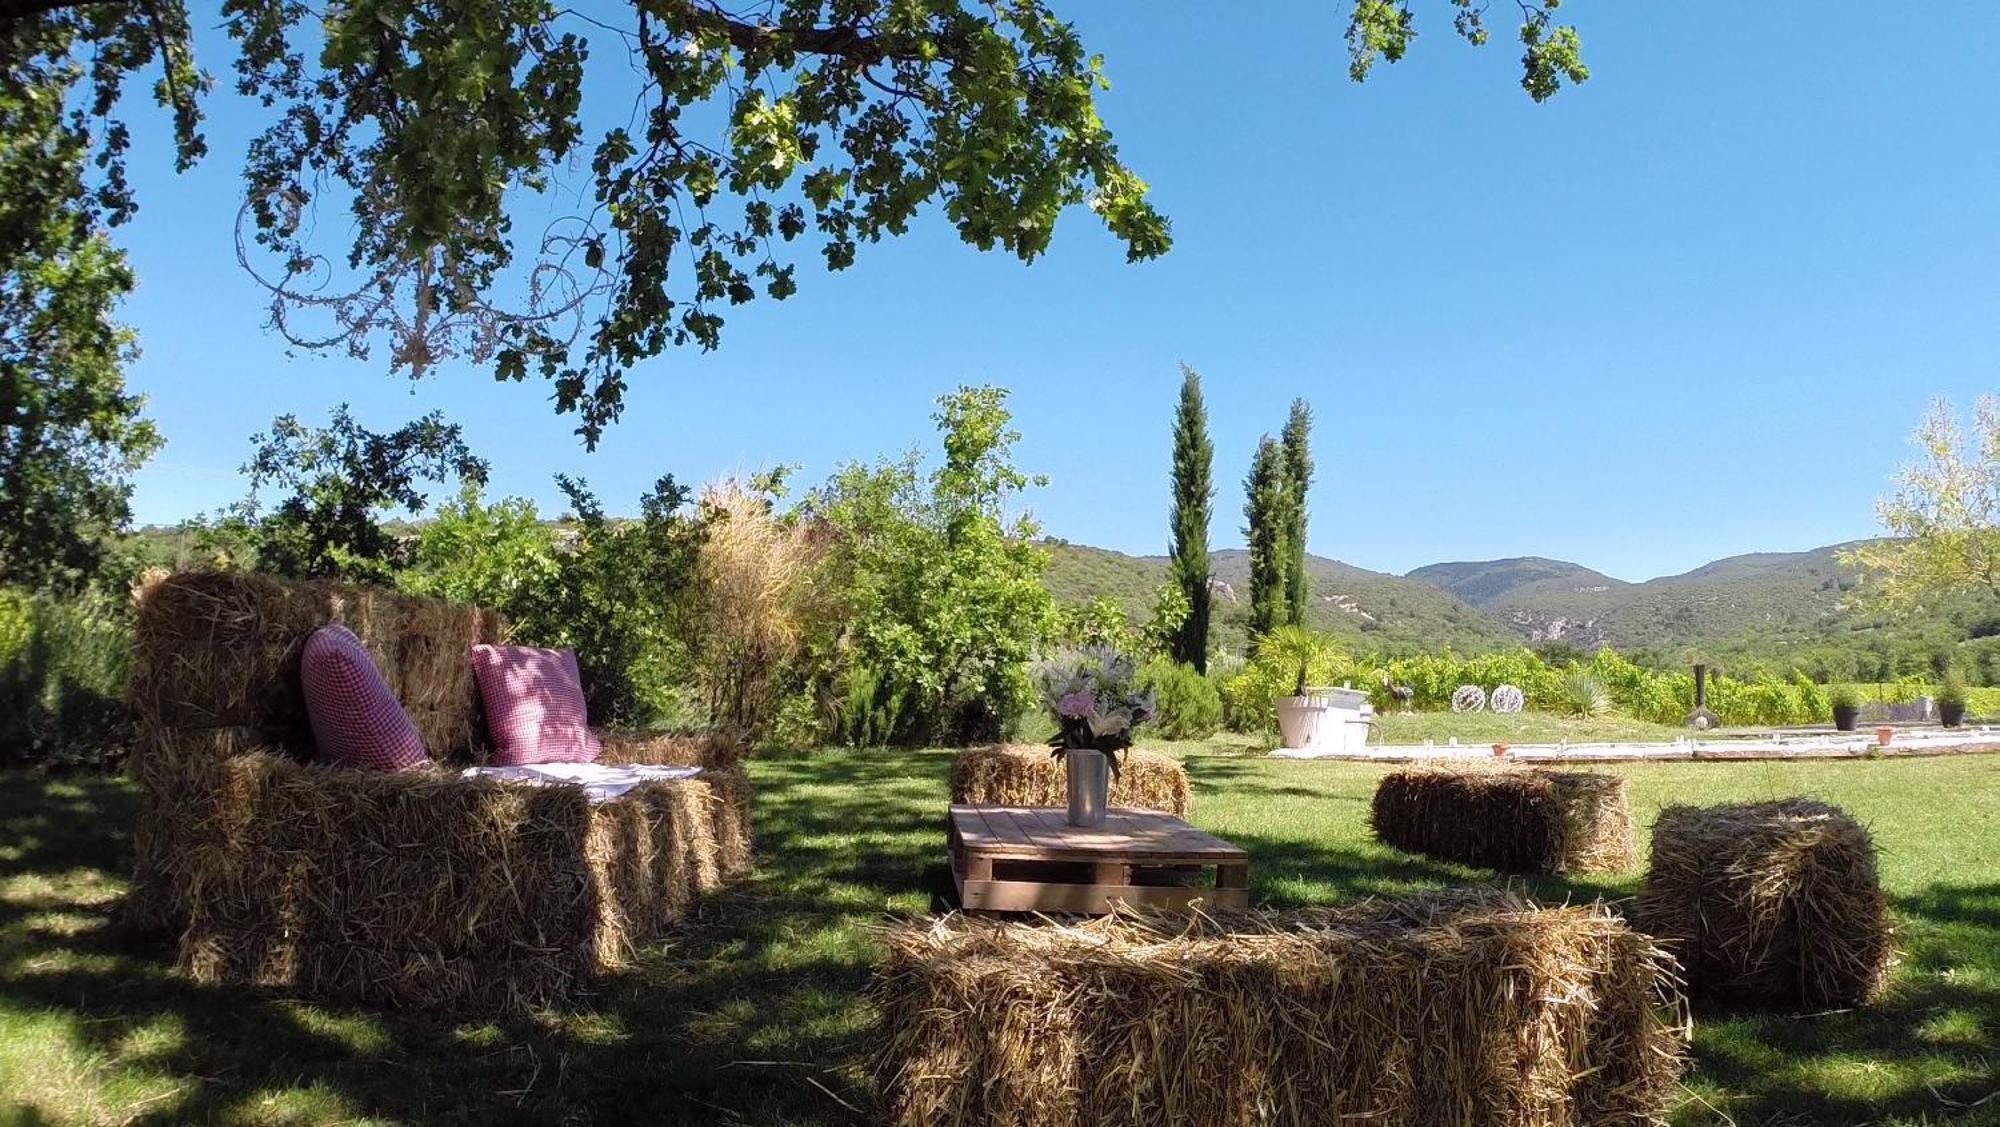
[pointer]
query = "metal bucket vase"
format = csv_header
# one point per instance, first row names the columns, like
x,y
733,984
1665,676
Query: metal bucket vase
x,y
1089,786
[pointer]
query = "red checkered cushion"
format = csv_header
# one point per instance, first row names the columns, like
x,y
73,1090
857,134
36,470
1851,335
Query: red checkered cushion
x,y
534,705
356,720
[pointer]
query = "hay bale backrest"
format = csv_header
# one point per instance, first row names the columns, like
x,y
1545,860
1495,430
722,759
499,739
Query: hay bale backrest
x,y
215,650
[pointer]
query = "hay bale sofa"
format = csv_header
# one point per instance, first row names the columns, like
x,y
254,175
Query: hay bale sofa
x,y
1465,1008
1027,775
1776,900
1513,819
417,887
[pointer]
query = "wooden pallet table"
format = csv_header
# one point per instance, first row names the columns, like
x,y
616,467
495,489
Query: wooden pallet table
x,y
1030,859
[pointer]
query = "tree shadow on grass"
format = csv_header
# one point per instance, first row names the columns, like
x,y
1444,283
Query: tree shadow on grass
x,y
1924,1051
755,1013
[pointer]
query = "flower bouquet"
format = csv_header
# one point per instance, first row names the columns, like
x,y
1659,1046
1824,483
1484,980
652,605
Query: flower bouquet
x,y
1094,696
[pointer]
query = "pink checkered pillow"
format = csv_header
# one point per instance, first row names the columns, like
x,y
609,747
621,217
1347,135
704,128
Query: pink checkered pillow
x,y
534,705
356,720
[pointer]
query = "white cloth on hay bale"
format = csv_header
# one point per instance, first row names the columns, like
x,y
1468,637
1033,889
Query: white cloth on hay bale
x,y
601,782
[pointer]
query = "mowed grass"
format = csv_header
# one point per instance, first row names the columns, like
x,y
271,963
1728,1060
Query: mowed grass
x,y
1486,728
758,1014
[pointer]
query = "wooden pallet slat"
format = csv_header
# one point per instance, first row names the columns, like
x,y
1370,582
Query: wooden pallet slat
x,y
1141,857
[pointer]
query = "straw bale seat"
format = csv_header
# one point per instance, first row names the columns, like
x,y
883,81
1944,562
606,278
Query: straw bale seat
x,y
1769,900
1470,1008
416,887
1027,775
1512,819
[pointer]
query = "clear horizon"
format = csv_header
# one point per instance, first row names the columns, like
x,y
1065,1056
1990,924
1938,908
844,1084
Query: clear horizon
x,y
1689,310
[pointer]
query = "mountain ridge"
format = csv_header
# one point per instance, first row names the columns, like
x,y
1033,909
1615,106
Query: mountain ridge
x,y
1784,608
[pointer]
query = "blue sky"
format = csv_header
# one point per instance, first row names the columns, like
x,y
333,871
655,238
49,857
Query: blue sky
x,y
1691,308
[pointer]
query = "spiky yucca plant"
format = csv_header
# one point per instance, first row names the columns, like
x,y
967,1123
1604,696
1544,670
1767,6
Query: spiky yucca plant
x,y
1584,695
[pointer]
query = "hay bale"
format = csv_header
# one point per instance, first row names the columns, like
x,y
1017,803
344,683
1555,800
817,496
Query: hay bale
x,y
1027,775
1460,1008
672,749
221,650
1776,900
424,888
1513,819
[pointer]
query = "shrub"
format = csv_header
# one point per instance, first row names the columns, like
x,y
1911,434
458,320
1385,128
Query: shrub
x,y
1585,695
1951,691
1813,703
502,555
1099,622
936,592
1249,695
62,681
874,710
1189,705
622,595
754,574
623,598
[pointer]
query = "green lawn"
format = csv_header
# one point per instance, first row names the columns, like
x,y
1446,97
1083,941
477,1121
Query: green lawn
x,y
756,1015
1487,728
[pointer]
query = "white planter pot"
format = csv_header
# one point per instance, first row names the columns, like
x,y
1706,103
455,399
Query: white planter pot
x,y
1299,720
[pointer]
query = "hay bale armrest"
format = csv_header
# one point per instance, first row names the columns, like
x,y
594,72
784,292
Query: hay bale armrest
x,y
1506,818
427,888
1462,1008
1028,775
1769,900
671,749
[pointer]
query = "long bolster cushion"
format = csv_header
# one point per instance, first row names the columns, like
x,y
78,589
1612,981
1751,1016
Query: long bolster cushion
x,y
601,782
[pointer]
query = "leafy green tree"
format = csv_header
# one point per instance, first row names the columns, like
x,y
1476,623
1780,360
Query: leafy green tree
x,y
938,593
500,555
619,592
1099,622
1943,518
1194,497
339,479
434,123
622,597
70,435
1297,442
1169,619
1264,508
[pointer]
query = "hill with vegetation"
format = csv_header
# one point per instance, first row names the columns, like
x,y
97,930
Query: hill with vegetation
x,y
1780,611
1775,609
1368,610
1483,583
1767,598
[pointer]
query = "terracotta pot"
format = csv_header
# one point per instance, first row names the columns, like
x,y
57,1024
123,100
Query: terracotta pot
x,y
1884,734
1499,751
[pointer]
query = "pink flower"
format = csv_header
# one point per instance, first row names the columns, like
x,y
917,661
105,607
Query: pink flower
x,y
1077,705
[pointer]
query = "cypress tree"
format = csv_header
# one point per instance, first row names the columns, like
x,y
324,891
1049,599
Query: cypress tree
x,y
1194,495
1264,514
1298,479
